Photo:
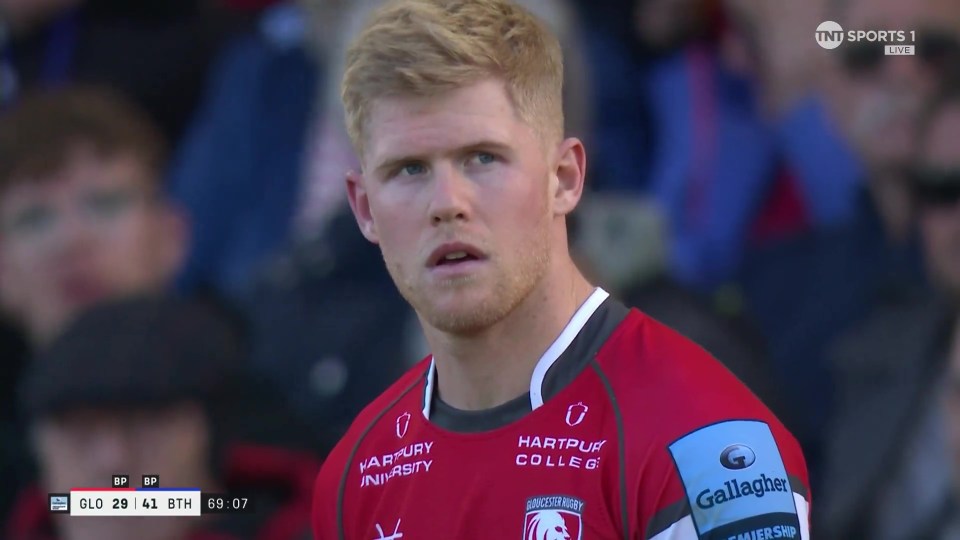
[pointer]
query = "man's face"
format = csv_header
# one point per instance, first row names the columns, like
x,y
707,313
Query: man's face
x,y
879,98
940,219
92,231
458,192
84,448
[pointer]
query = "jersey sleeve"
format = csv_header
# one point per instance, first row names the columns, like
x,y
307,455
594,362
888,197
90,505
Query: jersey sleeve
x,y
730,480
716,463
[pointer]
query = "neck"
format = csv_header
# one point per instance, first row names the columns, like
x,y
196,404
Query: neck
x,y
487,369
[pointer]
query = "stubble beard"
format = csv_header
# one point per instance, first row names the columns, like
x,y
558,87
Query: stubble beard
x,y
505,289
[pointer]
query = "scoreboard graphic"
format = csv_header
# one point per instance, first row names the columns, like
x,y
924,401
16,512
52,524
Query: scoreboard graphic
x,y
120,499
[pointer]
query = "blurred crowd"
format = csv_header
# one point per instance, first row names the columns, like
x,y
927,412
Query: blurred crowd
x,y
185,292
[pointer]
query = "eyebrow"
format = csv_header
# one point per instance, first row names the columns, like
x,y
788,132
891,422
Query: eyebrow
x,y
393,162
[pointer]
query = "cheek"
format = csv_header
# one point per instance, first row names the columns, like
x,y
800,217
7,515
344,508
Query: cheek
x,y
130,251
519,213
133,233
399,221
63,466
528,203
28,274
27,260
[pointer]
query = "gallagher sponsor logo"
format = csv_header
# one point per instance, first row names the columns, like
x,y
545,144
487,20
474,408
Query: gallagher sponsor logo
x,y
733,490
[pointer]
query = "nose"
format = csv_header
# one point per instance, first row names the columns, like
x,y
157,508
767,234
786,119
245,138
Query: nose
x,y
450,198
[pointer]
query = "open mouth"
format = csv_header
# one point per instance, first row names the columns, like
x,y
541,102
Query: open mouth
x,y
456,257
449,255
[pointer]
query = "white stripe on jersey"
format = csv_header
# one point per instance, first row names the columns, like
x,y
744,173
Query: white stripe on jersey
x,y
563,341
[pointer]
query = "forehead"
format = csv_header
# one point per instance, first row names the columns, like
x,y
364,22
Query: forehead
x,y
941,139
83,168
902,15
407,125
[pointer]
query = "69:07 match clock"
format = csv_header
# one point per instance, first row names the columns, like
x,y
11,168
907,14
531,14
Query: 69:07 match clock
x,y
213,503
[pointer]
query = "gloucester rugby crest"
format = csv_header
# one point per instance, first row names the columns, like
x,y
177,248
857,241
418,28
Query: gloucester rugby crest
x,y
553,517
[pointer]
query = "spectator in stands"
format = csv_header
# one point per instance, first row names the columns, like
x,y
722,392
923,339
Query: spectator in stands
x,y
82,212
878,99
151,386
806,291
887,474
248,139
680,119
154,51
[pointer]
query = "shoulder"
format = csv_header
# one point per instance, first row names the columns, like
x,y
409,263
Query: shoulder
x,y
399,390
327,485
690,429
653,367
646,354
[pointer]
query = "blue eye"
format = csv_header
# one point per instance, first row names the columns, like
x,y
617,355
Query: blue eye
x,y
412,169
485,158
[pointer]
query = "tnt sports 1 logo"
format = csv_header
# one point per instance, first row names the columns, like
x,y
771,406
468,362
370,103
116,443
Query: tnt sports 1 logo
x,y
831,35
553,517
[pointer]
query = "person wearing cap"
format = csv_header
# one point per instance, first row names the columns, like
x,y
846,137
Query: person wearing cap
x,y
153,385
895,435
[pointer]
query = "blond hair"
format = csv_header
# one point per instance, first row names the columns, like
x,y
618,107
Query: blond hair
x,y
427,47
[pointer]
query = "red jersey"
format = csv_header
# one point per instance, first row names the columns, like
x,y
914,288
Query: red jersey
x,y
630,431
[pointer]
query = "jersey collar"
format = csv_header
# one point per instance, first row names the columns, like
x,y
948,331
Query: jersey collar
x,y
549,358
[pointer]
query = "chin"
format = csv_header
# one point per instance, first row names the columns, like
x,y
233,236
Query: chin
x,y
465,317
463,311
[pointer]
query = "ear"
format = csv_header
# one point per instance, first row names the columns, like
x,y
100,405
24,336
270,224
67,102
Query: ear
x,y
360,205
570,169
